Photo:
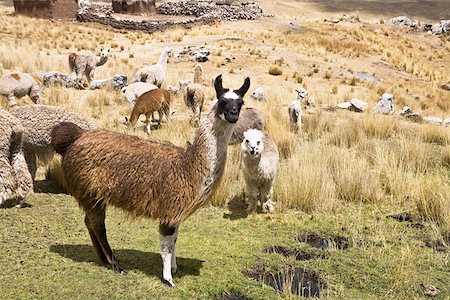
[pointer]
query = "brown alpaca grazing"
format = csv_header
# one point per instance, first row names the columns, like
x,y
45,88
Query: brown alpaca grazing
x,y
148,179
157,100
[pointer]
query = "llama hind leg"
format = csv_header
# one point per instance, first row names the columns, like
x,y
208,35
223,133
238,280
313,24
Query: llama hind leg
x,y
96,220
174,257
167,244
148,124
97,247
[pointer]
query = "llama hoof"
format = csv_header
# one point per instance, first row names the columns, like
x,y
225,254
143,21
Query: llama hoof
x,y
269,206
117,268
169,282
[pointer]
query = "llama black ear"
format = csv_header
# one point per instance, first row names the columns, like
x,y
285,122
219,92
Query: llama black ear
x,y
244,88
218,86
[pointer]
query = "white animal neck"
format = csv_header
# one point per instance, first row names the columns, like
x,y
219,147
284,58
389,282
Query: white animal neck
x,y
163,58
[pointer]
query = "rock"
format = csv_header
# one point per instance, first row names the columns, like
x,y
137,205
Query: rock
x,y
433,120
446,122
258,94
358,105
442,27
405,21
200,55
414,117
294,26
430,290
344,105
446,86
365,77
117,82
406,111
385,105
335,20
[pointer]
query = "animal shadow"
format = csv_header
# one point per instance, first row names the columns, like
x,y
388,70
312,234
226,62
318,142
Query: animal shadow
x,y
237,208
48,186
147,262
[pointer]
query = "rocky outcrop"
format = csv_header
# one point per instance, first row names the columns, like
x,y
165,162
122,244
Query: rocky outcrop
x,y
385,105
355,105
405,21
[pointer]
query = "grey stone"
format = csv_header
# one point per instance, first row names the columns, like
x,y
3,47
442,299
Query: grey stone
x,y
344,105
446,86
365,77
359,105
447,122
406,111
433,120
385,105
405,21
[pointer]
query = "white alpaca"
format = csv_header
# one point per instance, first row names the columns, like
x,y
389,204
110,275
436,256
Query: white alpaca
x,y
295,110
17,85
154,74
85,63
259,163
133,91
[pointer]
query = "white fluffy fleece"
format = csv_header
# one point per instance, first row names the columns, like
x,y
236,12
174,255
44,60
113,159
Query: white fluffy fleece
x,y
259,166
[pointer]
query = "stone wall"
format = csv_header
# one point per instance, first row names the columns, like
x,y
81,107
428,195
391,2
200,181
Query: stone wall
x,y
47,9
134,6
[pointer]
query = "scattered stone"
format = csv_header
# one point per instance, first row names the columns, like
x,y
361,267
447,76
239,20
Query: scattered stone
x,y
442,27
344,105
58,78
335,20
405,21
447,122
433,120
385,104
117,82
258,94
200,55
430,290
297,281
406,110
321,242
446,86
294,26
365,77
358,105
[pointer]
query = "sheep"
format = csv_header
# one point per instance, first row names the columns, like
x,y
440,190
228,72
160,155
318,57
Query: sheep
x,y
154,74
194,97
38,120
259,163
295,110
152,101
250,118
145,178
15,179
133,91
85,63
17,85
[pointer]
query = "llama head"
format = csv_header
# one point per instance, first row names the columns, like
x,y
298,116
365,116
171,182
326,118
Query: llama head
x,y
168,51
229,102
253,142
302,93
104,53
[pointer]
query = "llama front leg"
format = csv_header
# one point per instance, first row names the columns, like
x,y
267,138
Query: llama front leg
x,y
174,257
148,123
12,100
265,196
167,245
251,197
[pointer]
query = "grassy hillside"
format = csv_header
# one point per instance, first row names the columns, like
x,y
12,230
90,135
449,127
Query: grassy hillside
x,y
339,178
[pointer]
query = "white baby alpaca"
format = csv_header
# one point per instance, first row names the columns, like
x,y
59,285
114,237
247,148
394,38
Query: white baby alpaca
x,y
259,163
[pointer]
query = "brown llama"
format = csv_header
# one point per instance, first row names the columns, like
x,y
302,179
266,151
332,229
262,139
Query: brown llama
x,y
157,100
145,178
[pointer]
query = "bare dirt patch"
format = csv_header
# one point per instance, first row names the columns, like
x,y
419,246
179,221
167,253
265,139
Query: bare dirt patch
x,y
295,280
286,252
323,242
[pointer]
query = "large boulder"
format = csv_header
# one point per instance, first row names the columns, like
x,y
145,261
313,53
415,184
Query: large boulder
x,y
385,104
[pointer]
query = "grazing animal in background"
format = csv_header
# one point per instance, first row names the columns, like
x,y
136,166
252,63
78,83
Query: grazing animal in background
x,y
133,91
295,110
198,76
145,178
259,163
17,85
152,101
250,118
194,97
38,121
154,74
15,179
85,63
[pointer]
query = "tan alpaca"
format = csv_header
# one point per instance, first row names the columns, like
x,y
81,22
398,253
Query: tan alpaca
x,y
17,85
198,76
85,63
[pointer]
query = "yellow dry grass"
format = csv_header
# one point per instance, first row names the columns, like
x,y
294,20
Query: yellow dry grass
x,y
338,157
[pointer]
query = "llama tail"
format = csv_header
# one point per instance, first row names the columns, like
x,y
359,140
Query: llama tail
x,y
63,135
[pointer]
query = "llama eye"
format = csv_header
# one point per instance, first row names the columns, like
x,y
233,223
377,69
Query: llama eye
x,y
258,142
247,141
